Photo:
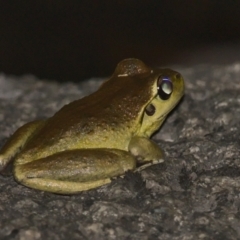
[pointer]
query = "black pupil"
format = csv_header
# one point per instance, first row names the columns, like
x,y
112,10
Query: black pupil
x,y
165,88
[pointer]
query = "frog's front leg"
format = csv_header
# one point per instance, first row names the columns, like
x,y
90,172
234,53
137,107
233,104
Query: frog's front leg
x,y
146,151
73,171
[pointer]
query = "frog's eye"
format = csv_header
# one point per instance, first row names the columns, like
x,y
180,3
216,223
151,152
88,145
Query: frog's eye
x,y
165,87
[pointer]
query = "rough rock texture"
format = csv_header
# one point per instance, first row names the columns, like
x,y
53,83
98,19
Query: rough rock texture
x,y
194,194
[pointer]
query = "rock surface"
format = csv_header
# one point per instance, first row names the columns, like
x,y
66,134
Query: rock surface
x,y
194,194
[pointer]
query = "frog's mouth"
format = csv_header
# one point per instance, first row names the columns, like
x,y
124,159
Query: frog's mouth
x,y
162,117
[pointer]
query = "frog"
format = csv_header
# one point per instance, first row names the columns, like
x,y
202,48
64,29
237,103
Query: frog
x,y
93,140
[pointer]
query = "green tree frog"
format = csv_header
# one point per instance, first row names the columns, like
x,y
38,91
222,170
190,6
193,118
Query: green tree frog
x,y
101,136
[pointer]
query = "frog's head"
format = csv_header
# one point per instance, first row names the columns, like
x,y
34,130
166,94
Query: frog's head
x,y
167,90
143,95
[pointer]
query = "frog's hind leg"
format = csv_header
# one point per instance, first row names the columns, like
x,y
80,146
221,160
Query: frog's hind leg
x,y
74,171
17,141
63,187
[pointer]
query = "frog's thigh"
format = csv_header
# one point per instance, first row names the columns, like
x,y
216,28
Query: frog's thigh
x,y
74,171
145,150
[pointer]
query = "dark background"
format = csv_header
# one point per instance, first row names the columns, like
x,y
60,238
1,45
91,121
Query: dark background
x,y
74,40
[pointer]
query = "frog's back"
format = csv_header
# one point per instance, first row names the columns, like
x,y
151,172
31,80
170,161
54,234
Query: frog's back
x,y
106,118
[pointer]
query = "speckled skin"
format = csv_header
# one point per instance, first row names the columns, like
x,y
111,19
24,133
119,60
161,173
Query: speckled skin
x,y
88,141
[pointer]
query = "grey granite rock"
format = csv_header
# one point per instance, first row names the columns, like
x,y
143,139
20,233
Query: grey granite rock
x,y
194,194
